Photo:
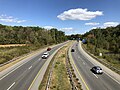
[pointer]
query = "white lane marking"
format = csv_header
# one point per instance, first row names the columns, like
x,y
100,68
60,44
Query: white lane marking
x,y
112,78
11,71
30,67
11,86
95,75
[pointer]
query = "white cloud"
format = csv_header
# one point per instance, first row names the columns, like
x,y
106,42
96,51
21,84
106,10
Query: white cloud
x,y
5,18
109,24
94,27
68,31
20,21
92,23
48,27
79,14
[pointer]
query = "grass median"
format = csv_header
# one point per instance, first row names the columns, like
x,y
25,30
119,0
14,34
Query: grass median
x,y
60,79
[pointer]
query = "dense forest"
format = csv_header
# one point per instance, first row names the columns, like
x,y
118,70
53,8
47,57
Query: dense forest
x,y
108,38
30,35
74,36
34,38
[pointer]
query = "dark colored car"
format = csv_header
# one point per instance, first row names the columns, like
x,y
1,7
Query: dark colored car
x,y
72,50
97,70
48,49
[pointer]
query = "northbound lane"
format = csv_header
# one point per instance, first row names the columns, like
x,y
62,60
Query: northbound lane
x,y
93,81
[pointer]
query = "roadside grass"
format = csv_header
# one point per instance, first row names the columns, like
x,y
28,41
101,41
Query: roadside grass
x,y
111,59
9,53
60,80
12,45
16,54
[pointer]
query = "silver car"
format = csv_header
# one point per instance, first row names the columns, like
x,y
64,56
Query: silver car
x,y
97,70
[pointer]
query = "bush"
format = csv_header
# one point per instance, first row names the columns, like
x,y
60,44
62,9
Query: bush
x,y
2,60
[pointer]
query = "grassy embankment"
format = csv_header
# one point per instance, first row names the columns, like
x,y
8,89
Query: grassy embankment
x,y
60,79
11,52
111,59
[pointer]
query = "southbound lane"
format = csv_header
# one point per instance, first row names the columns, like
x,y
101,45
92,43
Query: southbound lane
x,y
22,77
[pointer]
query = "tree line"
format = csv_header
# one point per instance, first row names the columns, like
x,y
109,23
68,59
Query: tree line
x,y
30,35
108,38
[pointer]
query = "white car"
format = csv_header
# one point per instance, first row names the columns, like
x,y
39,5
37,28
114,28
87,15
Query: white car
x,y
45,55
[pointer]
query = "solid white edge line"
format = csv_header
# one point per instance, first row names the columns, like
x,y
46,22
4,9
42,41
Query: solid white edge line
x,y
11,86
112,78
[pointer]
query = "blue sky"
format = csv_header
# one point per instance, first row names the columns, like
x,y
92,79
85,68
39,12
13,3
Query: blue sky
x,y
70,16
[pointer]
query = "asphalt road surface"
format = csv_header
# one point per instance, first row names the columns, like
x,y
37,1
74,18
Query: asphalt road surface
x,y
22,77
93,81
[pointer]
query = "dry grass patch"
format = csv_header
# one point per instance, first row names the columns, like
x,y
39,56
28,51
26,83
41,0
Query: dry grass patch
x,y
59,80
12,45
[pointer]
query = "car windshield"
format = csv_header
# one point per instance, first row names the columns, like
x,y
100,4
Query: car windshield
x,y
98,68
45,54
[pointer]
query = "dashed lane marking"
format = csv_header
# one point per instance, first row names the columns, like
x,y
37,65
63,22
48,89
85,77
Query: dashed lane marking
x,y
30,67
11,86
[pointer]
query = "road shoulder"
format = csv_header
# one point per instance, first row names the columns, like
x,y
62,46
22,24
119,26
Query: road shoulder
x,y
106,70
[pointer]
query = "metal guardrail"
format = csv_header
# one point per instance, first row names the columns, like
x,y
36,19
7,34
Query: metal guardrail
x,y
50,75
68,71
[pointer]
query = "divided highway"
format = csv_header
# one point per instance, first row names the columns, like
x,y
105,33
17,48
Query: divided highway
x,y
93,81
22,77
